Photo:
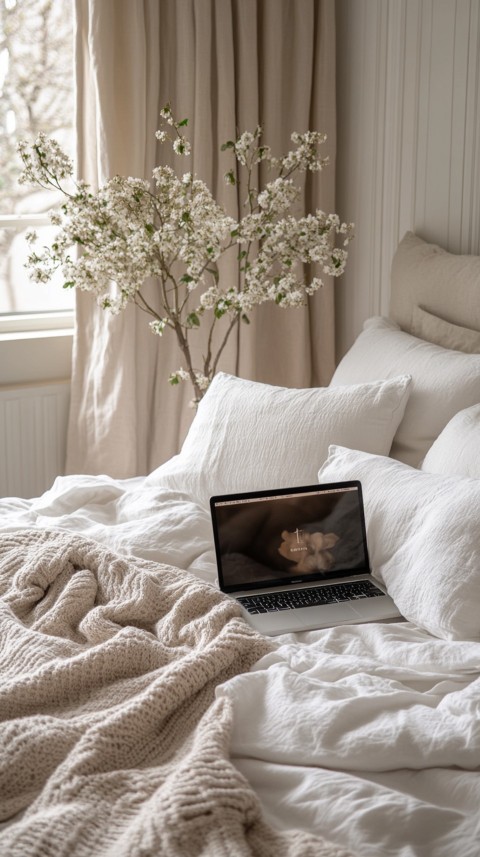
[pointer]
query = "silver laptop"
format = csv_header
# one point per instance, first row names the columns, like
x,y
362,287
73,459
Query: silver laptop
x,y
296,559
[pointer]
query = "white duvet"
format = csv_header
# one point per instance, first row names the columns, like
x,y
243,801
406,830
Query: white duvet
x,y
369,733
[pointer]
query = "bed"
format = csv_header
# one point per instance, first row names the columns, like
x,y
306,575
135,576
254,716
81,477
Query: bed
x,y
140,714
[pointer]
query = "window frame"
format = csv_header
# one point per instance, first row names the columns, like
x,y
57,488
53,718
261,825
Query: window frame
x,y
34,346
37,320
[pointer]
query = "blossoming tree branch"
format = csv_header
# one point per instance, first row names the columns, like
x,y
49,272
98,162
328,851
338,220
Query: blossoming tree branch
x,y
173,230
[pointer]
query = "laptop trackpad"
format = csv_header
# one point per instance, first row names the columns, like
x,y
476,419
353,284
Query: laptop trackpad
x,y
305,619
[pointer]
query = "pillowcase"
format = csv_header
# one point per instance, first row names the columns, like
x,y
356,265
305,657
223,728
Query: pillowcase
x,y
423,534
247,436
443,381
427,326
427,275
456,452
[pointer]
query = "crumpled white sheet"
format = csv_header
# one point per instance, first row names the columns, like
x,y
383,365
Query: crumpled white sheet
x,y
132,518
370,733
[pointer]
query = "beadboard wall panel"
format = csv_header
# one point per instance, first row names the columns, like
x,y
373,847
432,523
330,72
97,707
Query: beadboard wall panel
x,y
408,96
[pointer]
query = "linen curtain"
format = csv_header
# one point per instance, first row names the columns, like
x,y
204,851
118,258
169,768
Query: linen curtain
x,y
227,65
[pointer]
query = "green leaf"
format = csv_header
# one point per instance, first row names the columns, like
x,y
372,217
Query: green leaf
x,y
150,228
228,145
193,320
173,380
219,312
185,216
245,318
221,307
186,279
69,285
183,123
280,297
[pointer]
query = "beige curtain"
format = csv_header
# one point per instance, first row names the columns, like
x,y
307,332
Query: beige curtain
x,y
227,65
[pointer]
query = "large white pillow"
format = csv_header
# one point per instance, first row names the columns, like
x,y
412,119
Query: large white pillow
x,y
423,534
247,436
456,452
443,381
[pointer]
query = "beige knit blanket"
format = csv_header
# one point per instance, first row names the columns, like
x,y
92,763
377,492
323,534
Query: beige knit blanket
x,y
111,741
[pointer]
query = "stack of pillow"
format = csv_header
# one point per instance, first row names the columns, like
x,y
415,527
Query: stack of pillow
x,y
409,389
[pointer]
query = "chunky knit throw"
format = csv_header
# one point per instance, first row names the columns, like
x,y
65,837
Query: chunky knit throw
x,y
111,741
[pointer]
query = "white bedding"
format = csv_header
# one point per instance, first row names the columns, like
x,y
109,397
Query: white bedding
x,y
369,733
128,516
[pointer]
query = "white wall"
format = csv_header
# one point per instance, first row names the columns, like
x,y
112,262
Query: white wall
x,y
408,101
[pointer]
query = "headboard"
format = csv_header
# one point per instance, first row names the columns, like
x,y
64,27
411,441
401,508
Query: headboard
x,y
435,295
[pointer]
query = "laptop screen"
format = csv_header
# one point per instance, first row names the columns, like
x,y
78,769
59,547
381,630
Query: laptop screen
x,y
289,536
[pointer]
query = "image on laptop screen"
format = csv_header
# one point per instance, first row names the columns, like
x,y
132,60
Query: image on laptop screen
x,y
316,532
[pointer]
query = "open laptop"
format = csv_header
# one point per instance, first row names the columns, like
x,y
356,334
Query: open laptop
x,y
296,559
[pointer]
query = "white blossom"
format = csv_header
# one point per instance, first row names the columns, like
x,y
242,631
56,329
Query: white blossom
x,y
181,146
158,326
173,232
44,160
278,195
243,147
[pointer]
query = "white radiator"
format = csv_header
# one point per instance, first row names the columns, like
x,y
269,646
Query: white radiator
x,y
33,427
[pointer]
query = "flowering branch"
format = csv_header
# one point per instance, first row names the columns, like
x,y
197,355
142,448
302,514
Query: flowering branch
x,y
174,231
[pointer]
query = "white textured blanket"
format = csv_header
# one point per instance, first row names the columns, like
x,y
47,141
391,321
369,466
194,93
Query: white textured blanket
x,y
111,741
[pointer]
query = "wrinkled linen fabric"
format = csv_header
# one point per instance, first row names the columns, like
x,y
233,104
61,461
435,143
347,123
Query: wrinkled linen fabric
x,y
388,684
371,732
110,739
129,517
423,532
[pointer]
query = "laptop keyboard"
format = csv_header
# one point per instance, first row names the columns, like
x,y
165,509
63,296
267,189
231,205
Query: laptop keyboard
x,y
268,602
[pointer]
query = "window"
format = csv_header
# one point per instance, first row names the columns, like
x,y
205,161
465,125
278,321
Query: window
x,y
36,94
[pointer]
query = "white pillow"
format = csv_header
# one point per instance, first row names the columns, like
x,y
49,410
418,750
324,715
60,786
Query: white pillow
x,y
247,436
443,381
456,452
423,535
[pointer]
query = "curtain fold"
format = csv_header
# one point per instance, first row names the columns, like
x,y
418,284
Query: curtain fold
x,y
227,65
